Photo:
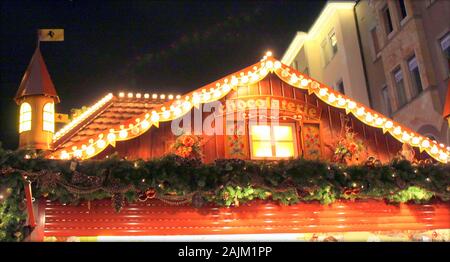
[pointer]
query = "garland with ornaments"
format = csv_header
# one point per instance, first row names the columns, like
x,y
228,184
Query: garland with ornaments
x,y
181,105
226,182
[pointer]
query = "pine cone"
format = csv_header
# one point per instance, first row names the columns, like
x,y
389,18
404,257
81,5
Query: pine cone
x,y
117,202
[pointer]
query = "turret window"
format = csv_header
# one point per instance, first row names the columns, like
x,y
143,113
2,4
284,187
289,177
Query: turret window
x,y
25,118
49,117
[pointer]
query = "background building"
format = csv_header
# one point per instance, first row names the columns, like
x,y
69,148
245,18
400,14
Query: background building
x,y
327,51
392,55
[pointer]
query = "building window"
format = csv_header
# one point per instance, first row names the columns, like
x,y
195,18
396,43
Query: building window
x,y
306,71
325,56
25,118
333,42
340,87
402,9
415,76
376,45
386,101
272,142
400,87
387,20
445,47
49,117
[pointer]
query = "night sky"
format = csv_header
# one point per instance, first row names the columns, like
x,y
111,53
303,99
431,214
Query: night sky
x,y
161,47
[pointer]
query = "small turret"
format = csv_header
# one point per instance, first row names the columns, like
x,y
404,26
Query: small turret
x,y
36,98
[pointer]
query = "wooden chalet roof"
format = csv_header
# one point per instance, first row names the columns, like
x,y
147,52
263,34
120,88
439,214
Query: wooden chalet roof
x,y
126,117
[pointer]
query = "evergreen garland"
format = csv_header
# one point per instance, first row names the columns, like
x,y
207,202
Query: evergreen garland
x,y
226,182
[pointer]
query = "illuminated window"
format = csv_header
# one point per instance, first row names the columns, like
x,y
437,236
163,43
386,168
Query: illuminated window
x,y
49,117
25,118
272,142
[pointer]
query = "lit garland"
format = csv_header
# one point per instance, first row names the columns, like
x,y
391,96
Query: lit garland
x,y
183,104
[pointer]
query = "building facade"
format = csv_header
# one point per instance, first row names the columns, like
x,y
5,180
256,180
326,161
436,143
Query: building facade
x,y
404,61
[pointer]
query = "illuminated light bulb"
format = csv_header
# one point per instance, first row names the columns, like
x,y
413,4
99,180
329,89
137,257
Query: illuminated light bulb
x,y
434,150
130,95
443,156
170,97
64,155
166,114
206,96
360,111
341,101
379,121
83,147
145,124
146,96
304,82
277,64
111,137
147,116
269,64
406,136
351,105
121,94
226,88
123,133
234,81
293,79
138,95
155,117
397,131
187,105
263,72
91,141
244,79
415,140
331,98
284,73
162,96
154,96
178,97
389,124
217,93
322,91
269,53
78,153
196,99
255,77
177,111
425,143
101,143
90,150
369,118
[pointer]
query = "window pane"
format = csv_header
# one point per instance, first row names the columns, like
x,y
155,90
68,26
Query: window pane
x,y
401,95
260,132
386,100
282,133
376,46
387,20
284,149
262,149
415,76
333,42
402,6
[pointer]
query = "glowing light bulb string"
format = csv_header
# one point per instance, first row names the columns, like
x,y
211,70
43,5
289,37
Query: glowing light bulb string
x,y
171,110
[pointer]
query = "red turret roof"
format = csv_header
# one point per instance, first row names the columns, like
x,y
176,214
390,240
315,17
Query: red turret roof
x,y
36,80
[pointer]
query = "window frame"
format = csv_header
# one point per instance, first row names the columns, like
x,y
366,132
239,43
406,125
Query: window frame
x,y
415,90
394,73
400,12
387,19
29,120
45,114
333,48
386,101
273,141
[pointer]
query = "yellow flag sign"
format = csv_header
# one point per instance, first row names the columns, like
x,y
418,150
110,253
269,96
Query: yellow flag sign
x,y
62,118
51,34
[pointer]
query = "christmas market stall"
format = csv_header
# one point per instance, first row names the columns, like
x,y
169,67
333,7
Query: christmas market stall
x,y
264,153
